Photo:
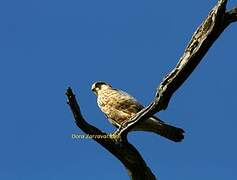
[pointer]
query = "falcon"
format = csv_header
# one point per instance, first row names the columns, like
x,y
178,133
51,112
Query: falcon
x,y
119,107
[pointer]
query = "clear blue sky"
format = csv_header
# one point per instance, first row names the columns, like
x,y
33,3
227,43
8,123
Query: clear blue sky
x,y
48,45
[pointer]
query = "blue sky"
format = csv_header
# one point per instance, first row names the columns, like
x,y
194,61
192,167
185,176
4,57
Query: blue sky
x,y
48,45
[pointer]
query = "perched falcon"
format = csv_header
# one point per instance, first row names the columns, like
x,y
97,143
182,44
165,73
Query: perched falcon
x,y
119,107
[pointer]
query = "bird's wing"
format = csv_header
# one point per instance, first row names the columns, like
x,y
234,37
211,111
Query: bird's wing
x,y
118,105
127,103
130,98
133,106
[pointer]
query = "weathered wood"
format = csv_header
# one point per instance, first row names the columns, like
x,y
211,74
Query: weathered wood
x,y
202,39
123,150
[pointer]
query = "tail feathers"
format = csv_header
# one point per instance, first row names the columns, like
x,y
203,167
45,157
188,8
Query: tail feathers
x,y
170,132
159,127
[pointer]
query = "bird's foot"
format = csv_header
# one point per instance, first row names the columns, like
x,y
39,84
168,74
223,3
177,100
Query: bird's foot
x,y
116,136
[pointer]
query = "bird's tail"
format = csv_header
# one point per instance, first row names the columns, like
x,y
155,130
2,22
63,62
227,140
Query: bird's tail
x,y
157,126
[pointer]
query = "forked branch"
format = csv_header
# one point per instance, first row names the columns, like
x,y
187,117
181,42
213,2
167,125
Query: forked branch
x,y
123,150
206,34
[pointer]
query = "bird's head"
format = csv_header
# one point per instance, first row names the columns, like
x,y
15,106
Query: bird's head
x,y
97,86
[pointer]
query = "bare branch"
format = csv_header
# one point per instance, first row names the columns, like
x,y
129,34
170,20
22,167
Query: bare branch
x,y
203,38
123,150
231,16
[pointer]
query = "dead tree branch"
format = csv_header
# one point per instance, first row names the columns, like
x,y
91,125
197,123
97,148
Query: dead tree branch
x,y
124,151
206,34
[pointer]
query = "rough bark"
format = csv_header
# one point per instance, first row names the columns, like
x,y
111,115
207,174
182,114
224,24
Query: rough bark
x,y
206,34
